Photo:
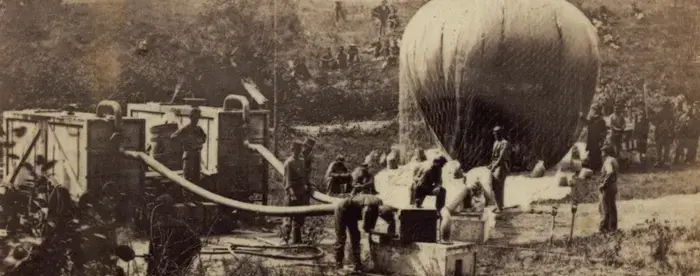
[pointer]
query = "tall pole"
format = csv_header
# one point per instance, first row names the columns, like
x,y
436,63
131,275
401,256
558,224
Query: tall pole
x,y
275,110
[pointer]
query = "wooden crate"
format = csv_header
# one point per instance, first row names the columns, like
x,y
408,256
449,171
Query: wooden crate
x,y
224,155
79,143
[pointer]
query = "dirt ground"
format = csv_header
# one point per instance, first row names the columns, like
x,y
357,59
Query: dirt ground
x,y
522,228
512,229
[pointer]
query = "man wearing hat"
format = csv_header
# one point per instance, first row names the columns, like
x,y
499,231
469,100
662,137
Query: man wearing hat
x,y
596,128
694,133
419,156
338,176
427,180
353,54
608,191
363,180
684,137
192,137
663,134
641,133
307,149
500,165
298,192
348,212
617,129
381,13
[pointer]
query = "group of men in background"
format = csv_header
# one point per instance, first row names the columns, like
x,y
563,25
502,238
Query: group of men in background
x,y
630,132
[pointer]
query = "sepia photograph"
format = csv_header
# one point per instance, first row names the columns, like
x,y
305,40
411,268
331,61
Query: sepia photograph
x,y
349,137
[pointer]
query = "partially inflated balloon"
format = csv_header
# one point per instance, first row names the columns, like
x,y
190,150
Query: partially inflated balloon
x,y
469,65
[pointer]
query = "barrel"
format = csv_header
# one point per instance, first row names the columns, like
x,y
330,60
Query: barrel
x,y
165,150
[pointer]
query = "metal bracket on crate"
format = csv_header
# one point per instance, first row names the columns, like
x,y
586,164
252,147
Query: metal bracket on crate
x,y
245,105
117,138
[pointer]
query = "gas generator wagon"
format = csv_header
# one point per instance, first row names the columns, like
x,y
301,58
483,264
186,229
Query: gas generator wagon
x,y
81,145
229,167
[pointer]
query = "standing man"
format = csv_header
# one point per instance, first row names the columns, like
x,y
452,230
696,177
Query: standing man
x,y
641,131
684,136
347,213
608,191
500,165
363,180
342,59
419,155
327,59
353,54
694,134
596,128
173,245
338,176
427,180
339,11
663,134
192,137
617,129
298,191
382,13
628,134
307,149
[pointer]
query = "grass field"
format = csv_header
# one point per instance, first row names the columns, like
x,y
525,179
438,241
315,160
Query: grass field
x,y
652,248
636,241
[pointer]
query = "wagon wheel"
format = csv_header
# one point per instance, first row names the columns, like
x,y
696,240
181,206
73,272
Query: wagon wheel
x,y
39,224
58,206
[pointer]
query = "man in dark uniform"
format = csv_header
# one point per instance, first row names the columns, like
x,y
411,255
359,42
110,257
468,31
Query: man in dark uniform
x,y
338,176
596,128
342,59
347,213
382,13
500,165
363,180
663,134
427,180
173,245
327,59
608,191
419,155
683,128
694,134
339,11
353,54
617,129
306,150
192,138
298,192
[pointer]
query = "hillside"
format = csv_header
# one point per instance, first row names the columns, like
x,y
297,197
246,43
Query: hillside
x,y
57,53
658,49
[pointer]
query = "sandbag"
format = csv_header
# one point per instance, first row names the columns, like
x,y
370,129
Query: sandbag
x,y
539,170
585,173
468,65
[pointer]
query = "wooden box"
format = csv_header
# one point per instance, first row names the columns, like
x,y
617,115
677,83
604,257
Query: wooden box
x,y
79,143
417,225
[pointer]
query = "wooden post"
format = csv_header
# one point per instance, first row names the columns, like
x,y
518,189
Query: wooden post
x,y
275,110
646,103
24,157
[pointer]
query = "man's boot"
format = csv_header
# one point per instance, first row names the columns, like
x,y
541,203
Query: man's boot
x,y
296,235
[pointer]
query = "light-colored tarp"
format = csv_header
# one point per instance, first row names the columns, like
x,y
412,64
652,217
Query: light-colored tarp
x,y
394,186
468,65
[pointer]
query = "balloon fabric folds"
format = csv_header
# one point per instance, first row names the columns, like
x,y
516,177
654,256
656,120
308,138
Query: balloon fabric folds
x,y
466,66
